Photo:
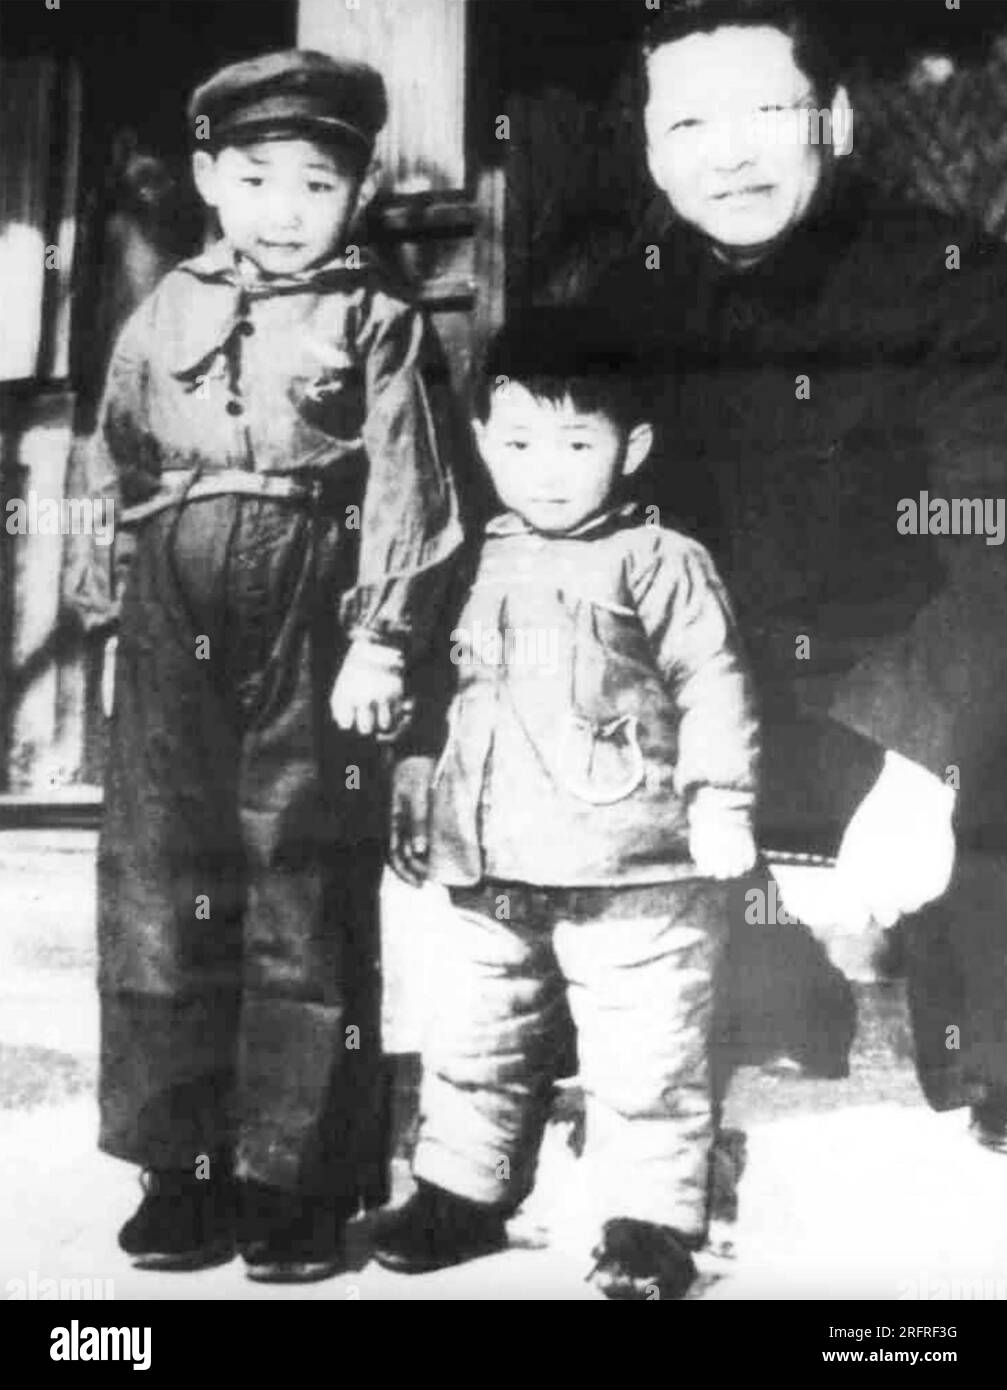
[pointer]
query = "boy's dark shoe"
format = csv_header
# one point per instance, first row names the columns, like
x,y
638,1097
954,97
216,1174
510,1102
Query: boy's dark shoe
x,y
989,1121
183,1222
636,1258
436,1229
289,1237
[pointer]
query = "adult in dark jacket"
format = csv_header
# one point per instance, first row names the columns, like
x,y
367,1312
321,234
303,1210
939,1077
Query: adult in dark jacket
x,y
832,374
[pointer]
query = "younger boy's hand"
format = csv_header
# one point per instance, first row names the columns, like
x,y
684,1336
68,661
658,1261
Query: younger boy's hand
x,y
721,840
726,853
369,693
409,844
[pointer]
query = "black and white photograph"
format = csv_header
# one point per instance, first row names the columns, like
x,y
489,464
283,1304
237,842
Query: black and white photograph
x,y
503,661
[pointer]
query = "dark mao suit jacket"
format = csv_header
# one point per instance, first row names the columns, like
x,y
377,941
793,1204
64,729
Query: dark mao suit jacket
x,y
864,363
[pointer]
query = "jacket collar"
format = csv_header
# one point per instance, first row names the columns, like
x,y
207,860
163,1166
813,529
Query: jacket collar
x,y
225,293
220,263
612,519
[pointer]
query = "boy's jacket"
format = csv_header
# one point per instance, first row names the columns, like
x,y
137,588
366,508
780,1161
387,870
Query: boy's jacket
x,y
323,374
600,687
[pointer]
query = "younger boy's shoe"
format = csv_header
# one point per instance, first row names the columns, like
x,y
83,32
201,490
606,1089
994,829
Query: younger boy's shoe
x,y
289,1237
183,1222
436,1229
636,1258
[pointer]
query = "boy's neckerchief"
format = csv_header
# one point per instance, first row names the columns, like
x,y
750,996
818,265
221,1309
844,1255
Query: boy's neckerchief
x,y
228,291
221,264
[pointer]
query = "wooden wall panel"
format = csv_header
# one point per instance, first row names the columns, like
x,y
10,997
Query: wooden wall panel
x,y
419,48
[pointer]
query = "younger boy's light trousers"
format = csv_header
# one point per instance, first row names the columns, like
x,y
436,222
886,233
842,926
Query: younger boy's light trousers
x,y
636,967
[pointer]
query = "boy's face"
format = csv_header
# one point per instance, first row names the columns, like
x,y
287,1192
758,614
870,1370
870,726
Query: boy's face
x,y
727,138
285,204
553,464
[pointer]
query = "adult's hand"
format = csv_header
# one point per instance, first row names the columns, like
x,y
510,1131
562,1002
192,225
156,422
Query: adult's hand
x,y
898,851
409,840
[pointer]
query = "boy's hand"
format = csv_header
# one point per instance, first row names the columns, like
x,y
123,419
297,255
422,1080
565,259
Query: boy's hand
x,y
726,851
369,693
108,676
721,841
410,827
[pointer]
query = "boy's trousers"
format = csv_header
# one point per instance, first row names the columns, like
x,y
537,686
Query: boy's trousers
x,y
636,965
239,861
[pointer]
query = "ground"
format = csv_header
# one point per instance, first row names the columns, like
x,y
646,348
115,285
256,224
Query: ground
x,y
850,1189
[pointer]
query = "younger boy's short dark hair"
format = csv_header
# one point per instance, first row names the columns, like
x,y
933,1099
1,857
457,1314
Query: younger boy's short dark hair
x,y
560,353
807,22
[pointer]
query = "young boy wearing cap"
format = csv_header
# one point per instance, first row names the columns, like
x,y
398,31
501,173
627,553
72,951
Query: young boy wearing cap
x,y
596,780
274,431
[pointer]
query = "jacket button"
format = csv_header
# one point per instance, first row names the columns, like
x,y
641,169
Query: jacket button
x,y
235,408
246,328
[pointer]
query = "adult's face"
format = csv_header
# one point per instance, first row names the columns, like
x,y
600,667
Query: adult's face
x,y
729,139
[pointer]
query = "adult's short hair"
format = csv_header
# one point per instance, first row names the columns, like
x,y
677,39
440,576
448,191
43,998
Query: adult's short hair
x,y
809,23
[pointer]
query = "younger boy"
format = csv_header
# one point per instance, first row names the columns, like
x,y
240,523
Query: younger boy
x,y
596,784
271,434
